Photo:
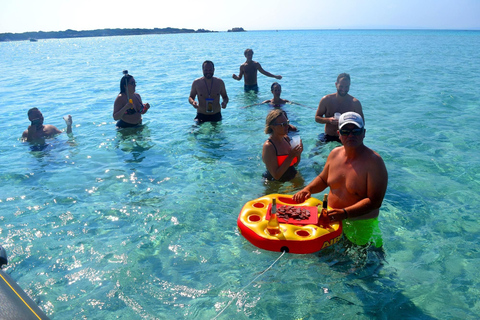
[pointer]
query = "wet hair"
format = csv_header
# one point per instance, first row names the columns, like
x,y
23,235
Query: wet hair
x,y
275,84
246,50
343,76
208,61
271,117
125,79
32,110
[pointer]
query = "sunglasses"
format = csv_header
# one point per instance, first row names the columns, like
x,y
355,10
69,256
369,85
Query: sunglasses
x,y
355,132
284,124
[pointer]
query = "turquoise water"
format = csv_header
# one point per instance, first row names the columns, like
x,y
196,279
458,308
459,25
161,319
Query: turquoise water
x,y
141,224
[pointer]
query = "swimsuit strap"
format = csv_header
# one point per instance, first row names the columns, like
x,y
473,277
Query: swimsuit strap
x,y
276,152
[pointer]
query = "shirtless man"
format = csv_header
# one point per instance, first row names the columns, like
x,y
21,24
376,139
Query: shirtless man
x,y
357,178
249,69
339,102
208,89
37,131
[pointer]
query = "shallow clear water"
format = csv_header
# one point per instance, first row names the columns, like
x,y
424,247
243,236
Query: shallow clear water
x,y
141,224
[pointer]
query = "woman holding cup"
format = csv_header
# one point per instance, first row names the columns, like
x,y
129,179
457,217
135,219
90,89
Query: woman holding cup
x,y
279,155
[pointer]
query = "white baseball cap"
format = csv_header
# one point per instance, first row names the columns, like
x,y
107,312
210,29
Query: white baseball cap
x,y
350,117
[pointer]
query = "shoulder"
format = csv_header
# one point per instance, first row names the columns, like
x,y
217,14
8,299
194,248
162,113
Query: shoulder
x,y
328,97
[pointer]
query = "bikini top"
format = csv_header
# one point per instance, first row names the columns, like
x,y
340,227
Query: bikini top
x,y
281,158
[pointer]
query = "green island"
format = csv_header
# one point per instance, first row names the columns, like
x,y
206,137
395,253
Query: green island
x,y
33,36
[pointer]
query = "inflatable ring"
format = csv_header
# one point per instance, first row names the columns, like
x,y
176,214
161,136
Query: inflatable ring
x,y
296,237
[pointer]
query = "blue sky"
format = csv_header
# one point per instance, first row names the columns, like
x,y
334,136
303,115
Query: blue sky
x,y
221,15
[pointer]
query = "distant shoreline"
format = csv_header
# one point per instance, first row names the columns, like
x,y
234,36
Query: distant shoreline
x,y
36,35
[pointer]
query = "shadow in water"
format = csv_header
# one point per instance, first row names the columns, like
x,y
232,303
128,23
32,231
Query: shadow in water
x,y
374,285
134,141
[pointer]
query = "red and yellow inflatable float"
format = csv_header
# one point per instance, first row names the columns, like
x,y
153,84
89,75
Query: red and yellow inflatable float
x,y
295,236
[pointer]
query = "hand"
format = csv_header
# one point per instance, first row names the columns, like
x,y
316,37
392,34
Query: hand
x,y
224,104
195,104
297,151
336,215
301,196
36,122
278,77
146,106
68,120
234,76
333,121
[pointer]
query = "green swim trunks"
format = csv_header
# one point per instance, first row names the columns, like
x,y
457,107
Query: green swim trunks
x,y
362,232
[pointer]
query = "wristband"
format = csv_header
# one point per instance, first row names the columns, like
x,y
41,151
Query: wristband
x,y
346,214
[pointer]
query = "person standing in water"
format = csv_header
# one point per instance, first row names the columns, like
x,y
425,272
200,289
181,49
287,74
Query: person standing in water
x,y
249,70
279,156
128,107
276,101
357,178
208,89
339,102
38,132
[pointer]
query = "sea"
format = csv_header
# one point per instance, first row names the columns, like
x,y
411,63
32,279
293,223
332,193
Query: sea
x,y
142,223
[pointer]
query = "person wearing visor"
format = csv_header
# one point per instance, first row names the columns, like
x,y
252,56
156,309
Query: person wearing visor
x,y
357,178
128,107
279,156
38,132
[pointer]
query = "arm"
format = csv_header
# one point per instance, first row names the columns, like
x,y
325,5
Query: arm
x,y
68,121
223,93
266,73
240,75
322,110
193,94
317,185
145,106
119,108
269,157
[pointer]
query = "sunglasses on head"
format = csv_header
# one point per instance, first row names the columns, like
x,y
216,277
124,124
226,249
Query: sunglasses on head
x,y
355,132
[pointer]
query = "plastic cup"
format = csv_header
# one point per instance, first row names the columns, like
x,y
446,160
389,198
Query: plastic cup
x,y
337,115
295,141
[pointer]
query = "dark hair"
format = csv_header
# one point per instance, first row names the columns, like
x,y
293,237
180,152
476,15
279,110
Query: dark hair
x,y
343,75
208,61
124,81
274,84
31,110
246,50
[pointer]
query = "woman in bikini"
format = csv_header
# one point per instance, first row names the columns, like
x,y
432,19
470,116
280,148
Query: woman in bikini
x,y
128,107
278,155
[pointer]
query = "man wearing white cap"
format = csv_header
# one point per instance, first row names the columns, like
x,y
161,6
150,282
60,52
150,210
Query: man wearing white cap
x,y
333,105
357,178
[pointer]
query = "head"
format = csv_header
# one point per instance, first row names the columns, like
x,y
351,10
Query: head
x,y
248,54
208,69
276,88
343,84
127,80
350,125
34,115
274,118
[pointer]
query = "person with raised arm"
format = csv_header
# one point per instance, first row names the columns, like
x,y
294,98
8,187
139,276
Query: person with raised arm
x,y
249,69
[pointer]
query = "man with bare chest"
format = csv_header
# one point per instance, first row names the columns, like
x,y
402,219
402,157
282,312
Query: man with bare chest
x,y
37,132
357,178
336,103
208,89
249,69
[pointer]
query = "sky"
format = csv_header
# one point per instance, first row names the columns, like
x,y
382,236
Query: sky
x,y
18,16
